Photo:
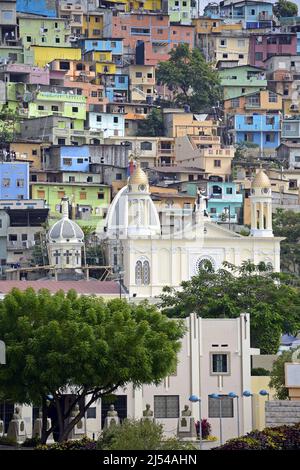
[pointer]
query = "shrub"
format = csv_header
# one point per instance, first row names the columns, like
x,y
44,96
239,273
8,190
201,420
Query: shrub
x,y
82,444
259,371
7,441
277,438
139,435
206,428
31,442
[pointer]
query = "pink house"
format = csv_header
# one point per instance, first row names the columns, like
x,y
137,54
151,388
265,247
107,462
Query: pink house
x,y
24,73
263,46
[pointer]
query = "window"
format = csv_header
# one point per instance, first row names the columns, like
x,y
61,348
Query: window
x,y
20,183
225,56
235,103
121,79
138,74
71,179
253,12
223,42
91,413
270,138
79,160
228,190
241,56
28,38
213,210
34,152
146,146
64,65
272,97
272,40
82,195
217,163
149,75
94,94
41,108
24,237
74,109
67,161
100,195
116,120
259,56
241,42
99,118
160,31
57,40
118,176
219,363
12,237
248,120
123,28
61,141
54,108
142,31
89,179
6,182
220,407
166,406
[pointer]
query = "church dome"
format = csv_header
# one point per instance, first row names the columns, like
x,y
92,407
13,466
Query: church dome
x,y
261,180
138,176
65,229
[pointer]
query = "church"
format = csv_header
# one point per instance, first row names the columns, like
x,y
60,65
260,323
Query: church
x,y
152,254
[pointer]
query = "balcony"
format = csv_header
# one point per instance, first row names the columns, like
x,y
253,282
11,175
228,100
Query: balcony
x,y
20,245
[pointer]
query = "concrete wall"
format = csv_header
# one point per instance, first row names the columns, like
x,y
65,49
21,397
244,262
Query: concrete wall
x,y
282,412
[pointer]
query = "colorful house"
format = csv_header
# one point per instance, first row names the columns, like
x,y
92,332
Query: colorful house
x,y
262,130
142,83
107,123
43,55
238,81
260,102
14,180
41,31
225,202
89,201
179,11
264,46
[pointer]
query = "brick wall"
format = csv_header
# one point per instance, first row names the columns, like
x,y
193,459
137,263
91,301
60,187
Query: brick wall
x,y
282,412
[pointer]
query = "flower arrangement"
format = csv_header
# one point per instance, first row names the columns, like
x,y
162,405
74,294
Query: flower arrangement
x,y
205,428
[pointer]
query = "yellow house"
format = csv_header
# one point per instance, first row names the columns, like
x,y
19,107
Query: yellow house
x,y
104,61
228,46
93,25
178,124
142,82
43,55
205,25
150,5
260,102
291,107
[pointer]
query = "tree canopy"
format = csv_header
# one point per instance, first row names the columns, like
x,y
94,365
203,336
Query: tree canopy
x,y
58,344
287,224
284,8
153,126
193,81
230,291
277,376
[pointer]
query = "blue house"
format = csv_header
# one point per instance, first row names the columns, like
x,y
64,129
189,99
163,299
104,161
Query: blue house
x,y
260,129
68,158
224,203
14,180
37,7
116,87
254,14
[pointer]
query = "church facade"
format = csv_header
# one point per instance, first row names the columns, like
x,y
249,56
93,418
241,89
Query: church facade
x,y
153,254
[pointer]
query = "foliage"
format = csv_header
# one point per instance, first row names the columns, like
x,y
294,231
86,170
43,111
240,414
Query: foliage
x,y
31,442
259,371
206,428
277,438
80,444
8,121
83,344
138,435
39,254
232,290
153,126
284,8
7,441
193,81
287,224
277,375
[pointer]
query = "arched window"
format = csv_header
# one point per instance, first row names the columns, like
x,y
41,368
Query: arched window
x,y
138,272
146,273
205,263
142,273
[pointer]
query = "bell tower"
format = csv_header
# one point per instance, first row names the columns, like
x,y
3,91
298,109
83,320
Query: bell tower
x,y
261,206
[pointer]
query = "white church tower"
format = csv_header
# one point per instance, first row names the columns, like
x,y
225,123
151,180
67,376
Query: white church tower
x,y
65,241
261,206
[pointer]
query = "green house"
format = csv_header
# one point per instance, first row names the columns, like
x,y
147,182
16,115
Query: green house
x,y
42,31
89,202
238,81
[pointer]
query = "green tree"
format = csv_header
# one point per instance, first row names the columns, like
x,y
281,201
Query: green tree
x,y
193,81
284,8
58,344
153,126
232,290
277,381
287,224
139,435
9,119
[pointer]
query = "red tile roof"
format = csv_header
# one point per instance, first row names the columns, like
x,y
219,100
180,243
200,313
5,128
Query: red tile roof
x,y
82,287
